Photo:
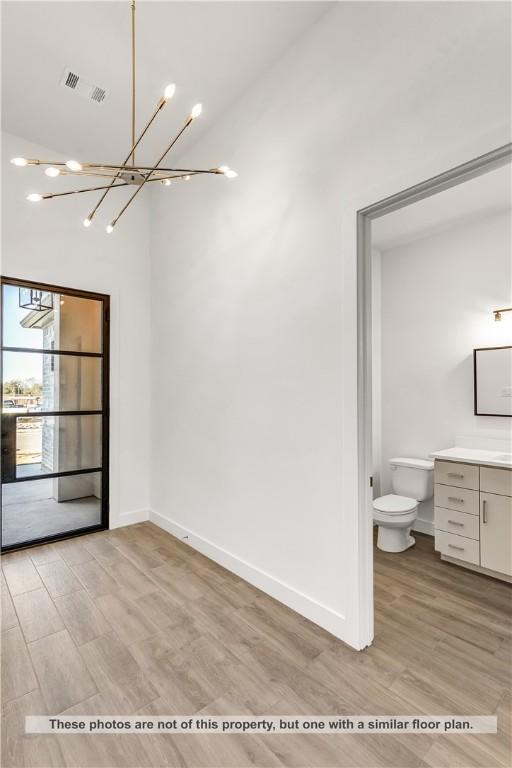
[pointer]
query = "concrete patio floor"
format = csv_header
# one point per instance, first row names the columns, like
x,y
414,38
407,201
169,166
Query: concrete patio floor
x,y
29,512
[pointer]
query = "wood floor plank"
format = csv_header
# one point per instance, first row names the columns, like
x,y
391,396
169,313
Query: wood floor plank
x,y
58,578
102,549
73,551
20,750
107,656
463,752
176,580
118,674
482,661
20,574
302,645
104,750
161,609
18,676
145,559
464,628
128,620
62,674
37,614
95,578
131,579
83,620
46,553
9,617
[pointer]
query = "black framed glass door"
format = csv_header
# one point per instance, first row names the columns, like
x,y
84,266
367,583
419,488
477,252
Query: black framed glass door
x,y
55,412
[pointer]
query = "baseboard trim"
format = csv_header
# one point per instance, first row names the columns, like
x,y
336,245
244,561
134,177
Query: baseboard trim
x,y
424,526
130,518
320,614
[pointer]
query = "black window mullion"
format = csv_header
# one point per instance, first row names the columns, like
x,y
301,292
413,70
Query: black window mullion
x,y
38,351
40,414
48,475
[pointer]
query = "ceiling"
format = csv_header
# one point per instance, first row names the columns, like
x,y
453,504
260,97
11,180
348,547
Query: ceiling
x,y
212,50
482,196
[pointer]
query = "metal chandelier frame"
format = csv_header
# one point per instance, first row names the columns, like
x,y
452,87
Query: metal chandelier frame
x,y
128,173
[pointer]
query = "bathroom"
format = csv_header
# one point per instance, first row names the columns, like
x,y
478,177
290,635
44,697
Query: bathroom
x,y
440,269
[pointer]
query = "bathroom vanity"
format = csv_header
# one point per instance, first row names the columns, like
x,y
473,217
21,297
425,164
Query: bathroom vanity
x,y
473,510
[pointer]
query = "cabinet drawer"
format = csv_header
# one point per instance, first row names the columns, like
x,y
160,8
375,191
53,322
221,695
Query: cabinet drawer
x,y
458,546
451,497
495,480
460,523
460,475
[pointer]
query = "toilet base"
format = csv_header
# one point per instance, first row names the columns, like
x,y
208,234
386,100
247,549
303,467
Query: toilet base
x,y
394,539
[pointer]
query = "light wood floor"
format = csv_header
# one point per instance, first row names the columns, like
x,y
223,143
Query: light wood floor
x,y
133,621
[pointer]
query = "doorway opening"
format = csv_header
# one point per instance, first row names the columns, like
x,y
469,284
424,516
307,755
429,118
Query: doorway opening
x,y
55,412
373,483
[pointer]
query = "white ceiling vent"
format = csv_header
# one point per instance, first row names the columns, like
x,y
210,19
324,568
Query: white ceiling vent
x,y
82,87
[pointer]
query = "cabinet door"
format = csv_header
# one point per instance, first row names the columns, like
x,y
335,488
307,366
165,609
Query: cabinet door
x,y
496,532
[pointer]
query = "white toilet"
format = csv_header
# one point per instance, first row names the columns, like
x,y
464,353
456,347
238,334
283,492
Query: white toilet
x,y
412,481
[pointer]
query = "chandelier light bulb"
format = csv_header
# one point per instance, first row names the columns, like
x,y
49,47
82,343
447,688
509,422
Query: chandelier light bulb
x,y
196,111
186,178
228,172
74,165
166,182
34,197
21,162
52,172
87,222
109,229
169,91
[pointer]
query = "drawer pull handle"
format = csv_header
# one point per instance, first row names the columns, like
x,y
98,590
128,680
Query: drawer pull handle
x,y
484,511
455,474
455,522
454,498
454,546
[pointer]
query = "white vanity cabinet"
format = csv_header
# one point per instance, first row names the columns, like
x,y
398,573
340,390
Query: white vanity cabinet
x,y
473,516
496,532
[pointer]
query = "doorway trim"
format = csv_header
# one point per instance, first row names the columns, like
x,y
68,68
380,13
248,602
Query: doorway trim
x,y
105,403
450,178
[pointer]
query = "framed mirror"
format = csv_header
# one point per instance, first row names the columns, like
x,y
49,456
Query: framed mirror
x,y
492,370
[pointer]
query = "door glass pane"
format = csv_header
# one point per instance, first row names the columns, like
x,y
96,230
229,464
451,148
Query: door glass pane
x,y
34,382
45,320
48,444
38,508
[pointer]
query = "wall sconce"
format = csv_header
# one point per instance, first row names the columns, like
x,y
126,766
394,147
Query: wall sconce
x,y
498,312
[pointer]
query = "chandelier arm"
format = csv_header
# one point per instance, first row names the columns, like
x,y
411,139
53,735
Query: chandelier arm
x,y
179,170
171,145
80,174
176,176
123,167
49,195
159,106
61,163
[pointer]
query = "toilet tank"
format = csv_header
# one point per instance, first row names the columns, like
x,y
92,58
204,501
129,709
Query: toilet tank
x,y
412,477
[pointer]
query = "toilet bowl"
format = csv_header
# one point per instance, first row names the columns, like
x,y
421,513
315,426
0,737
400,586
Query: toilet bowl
x,y
395,513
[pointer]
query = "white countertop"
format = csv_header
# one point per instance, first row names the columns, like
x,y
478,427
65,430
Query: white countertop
x,y
475,456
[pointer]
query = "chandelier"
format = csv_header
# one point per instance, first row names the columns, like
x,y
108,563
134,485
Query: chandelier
x,y
128,173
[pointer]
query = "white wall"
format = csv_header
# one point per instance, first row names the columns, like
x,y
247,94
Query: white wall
x,y
254,287
46,242
436,300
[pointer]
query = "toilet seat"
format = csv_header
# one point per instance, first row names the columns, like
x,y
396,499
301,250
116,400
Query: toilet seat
x,y
392,504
